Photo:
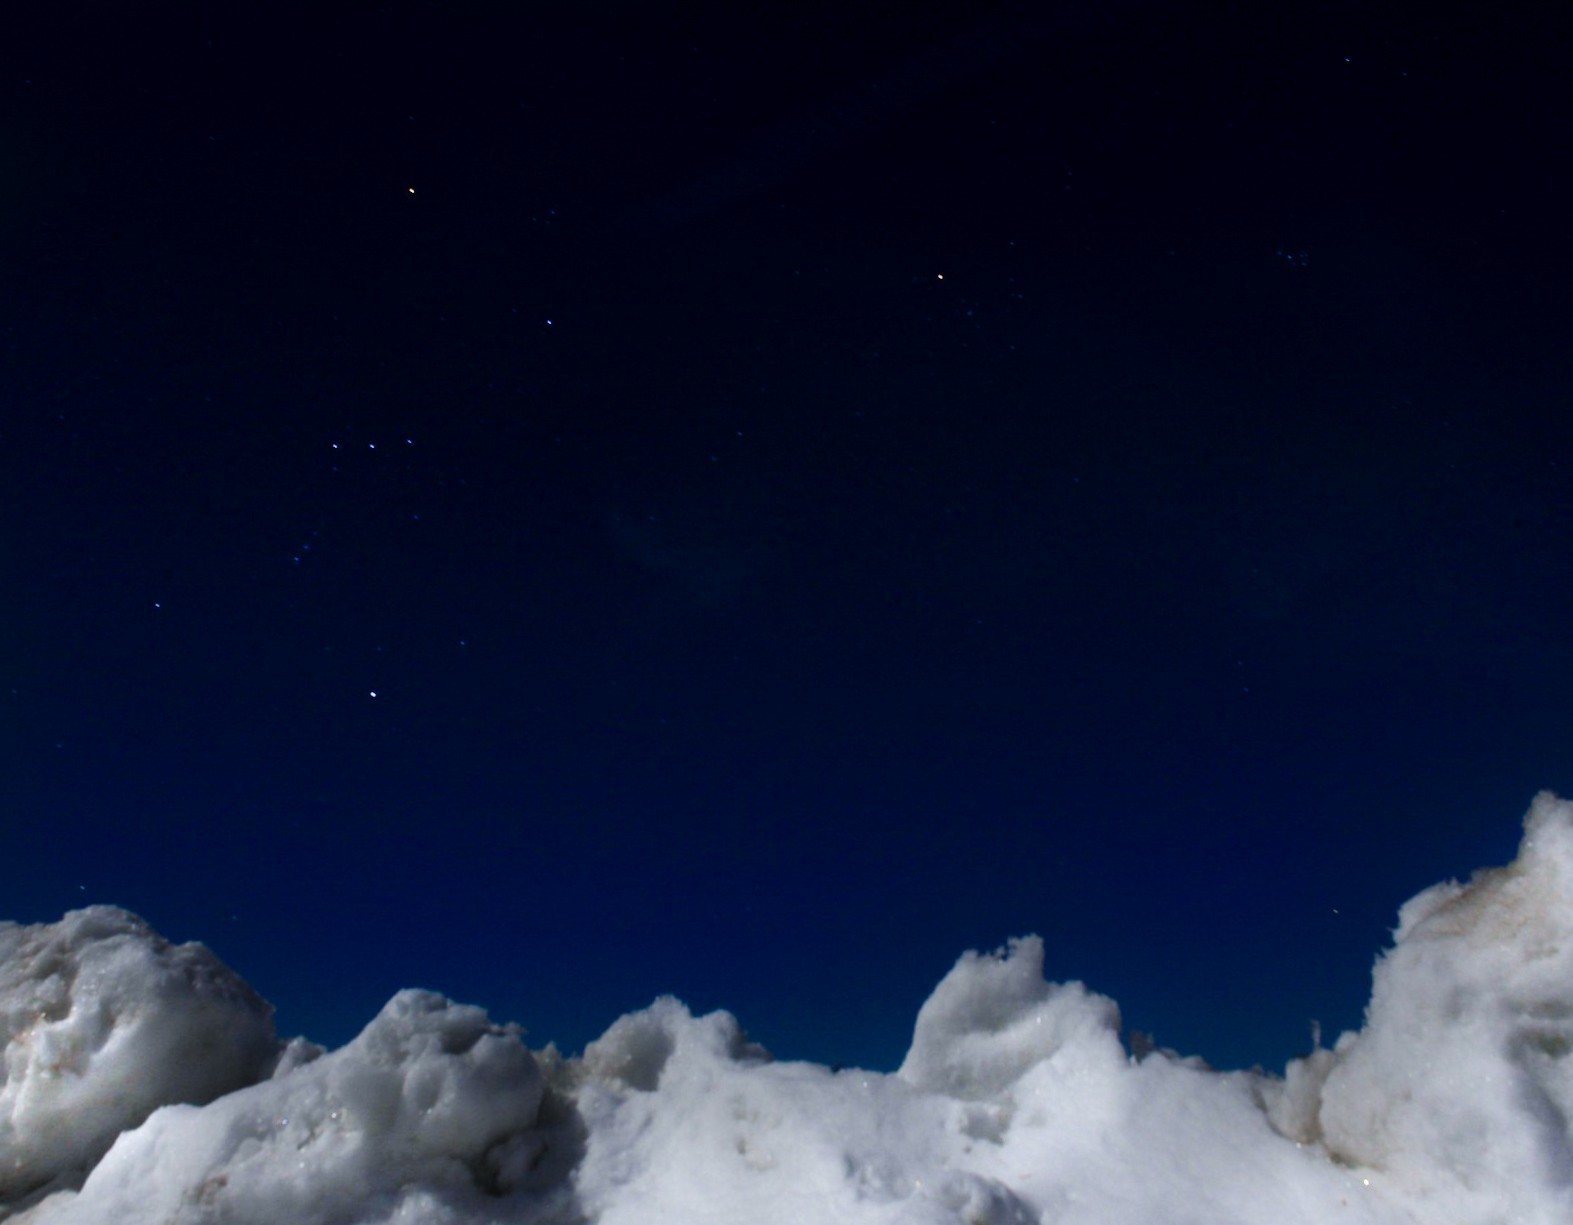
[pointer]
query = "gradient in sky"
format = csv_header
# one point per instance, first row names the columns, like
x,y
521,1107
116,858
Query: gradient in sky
x,y
563,509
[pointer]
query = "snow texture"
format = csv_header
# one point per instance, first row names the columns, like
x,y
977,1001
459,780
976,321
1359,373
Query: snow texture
x,y
143,1084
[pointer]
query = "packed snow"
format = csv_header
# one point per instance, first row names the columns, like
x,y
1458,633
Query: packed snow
x,y
143,1083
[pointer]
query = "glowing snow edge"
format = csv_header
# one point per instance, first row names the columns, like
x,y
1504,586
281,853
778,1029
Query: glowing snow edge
x,y
1016,1105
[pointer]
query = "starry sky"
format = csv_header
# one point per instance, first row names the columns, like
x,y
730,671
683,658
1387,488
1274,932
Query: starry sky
x,y
749,502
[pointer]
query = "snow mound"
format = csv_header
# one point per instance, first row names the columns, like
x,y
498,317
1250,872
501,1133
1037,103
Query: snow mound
x,y
1017,1103
426,1116
1459,1087
101,1022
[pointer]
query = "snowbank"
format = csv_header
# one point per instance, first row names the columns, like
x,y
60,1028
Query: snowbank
x,y
101,1022
1017,1103
1459,1087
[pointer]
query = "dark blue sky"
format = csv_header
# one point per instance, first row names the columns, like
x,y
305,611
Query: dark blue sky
x,y
784,499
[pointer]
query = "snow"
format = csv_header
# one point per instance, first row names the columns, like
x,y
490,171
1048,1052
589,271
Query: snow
x,y
142,1082
101,1021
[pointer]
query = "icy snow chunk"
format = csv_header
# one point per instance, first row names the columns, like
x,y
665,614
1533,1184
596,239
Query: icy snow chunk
x,y
101,1022
426,1116
636,1049
994,1017
687,1121
438,1074
1460,1085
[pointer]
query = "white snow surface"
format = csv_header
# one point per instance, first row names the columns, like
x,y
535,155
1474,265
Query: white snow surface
x,y
142,1085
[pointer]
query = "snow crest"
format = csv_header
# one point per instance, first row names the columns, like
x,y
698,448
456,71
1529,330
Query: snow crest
x,y
143,1085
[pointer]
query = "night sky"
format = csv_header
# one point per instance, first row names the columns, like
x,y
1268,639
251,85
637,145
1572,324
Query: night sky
x,y
749,502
